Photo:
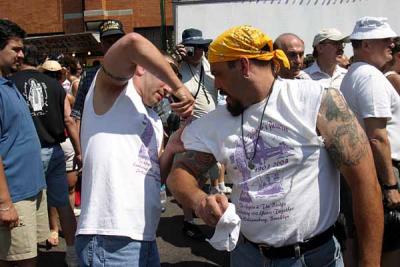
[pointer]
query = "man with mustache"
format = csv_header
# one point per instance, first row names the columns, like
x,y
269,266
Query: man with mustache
x,y
293,46
283,143
328,45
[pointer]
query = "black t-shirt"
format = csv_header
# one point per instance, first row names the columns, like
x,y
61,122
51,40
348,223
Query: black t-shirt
x,y
45,97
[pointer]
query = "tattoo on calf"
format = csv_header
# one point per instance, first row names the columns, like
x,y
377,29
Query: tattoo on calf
x,y
197,163
345,140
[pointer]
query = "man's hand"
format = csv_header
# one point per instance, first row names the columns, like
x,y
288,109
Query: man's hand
x,y
184,107
392,198
77,162
180,52
9,215
211,208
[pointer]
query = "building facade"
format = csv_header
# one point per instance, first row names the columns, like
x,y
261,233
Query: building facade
x,y
70,26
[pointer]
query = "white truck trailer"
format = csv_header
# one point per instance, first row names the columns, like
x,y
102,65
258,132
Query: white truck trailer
x,y
303,17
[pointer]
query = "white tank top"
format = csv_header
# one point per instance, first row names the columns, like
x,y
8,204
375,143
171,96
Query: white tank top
x,y
121,172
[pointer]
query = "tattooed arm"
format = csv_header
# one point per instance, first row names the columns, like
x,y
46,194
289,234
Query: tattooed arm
x,y
184,185
349,148
378,138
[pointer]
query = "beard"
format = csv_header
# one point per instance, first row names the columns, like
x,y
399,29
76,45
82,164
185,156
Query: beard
x,y
235,108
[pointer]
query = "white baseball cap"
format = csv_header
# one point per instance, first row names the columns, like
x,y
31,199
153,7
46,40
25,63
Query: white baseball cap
x,y
372,28
329,34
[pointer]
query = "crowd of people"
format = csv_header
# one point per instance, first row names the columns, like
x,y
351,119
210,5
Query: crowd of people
x,y
309,146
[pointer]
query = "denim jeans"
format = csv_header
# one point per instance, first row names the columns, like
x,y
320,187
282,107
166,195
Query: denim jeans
x,y
103,250
327,255
56,177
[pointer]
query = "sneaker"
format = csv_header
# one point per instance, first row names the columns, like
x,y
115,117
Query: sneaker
x,y
71,259
193,231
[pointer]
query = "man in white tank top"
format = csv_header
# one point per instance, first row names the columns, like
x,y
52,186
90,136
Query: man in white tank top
x,y
283,143
121,139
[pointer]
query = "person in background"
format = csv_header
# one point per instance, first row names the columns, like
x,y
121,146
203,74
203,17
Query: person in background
x,y
293,46
391,70
328,44
376,105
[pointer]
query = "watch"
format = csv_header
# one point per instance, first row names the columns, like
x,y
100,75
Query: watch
x,y
390,187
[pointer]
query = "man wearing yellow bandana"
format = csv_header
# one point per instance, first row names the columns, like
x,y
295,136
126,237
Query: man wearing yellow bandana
x,y
283,143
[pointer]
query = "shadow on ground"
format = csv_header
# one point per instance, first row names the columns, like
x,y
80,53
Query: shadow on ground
x,y
170,231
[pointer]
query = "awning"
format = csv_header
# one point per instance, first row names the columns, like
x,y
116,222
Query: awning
x,y
67,43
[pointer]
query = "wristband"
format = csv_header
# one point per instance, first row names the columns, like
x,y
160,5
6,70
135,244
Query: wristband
x,y
390,187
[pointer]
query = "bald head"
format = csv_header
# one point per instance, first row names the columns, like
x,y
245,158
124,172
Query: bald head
x,y
293,47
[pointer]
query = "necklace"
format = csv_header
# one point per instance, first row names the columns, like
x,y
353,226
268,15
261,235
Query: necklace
x,y
250,163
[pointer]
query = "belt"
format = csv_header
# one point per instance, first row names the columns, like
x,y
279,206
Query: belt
x,y
294,250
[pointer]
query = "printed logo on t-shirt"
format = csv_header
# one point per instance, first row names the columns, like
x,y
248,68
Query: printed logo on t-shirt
x,y
263,188
147,163
36,95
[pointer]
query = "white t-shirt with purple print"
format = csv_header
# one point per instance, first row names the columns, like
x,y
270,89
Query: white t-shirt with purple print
x,y
292,193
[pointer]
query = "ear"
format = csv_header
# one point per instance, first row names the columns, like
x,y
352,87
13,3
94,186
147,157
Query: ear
x,y
139,71
245,67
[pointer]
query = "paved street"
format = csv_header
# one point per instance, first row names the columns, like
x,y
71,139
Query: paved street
x,y
175,249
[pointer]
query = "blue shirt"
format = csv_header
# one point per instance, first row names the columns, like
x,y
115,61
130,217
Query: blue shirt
x,y
19,145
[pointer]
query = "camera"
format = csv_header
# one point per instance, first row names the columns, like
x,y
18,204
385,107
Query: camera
x,y
189,51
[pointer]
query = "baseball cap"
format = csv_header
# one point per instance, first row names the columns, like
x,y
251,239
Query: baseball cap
x,y
329,34
51,65
111,27
372,28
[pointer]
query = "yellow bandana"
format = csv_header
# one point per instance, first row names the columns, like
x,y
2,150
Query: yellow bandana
x,y
245,42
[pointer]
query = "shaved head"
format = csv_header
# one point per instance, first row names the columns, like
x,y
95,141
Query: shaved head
x,y
293,46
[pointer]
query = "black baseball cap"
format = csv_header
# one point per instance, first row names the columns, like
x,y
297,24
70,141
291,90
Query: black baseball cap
x,y
111,27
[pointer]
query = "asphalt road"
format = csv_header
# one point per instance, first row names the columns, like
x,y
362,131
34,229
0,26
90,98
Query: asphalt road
x,y
175,249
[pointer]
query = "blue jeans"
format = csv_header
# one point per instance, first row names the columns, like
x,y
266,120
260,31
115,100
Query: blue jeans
x,y
56,177
102,250
327,255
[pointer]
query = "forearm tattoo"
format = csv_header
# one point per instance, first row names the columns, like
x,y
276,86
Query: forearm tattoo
x,y
345,140
197,163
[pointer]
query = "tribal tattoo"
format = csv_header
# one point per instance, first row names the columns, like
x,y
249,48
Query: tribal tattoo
x,y
345,140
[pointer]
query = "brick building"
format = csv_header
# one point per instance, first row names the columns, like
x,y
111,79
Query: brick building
x,y
69,26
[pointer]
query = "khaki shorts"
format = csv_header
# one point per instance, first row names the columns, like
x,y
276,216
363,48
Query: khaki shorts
x,y
20,243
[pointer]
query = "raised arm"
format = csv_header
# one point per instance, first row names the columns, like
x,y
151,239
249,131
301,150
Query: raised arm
x,y
349,148
120,62
184,184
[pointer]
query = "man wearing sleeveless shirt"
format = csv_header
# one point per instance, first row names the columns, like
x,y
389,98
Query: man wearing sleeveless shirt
x,y
283,143
121,140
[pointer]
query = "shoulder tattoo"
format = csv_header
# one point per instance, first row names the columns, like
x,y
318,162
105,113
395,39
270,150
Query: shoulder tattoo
x,y
345,140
